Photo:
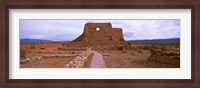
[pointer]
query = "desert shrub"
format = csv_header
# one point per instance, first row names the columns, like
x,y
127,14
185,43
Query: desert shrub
x,y
121,48
129,43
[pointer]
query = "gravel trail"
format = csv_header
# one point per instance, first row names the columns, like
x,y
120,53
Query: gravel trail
x,y
97,61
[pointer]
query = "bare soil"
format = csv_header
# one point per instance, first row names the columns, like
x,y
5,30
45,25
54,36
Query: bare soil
x,y
131,59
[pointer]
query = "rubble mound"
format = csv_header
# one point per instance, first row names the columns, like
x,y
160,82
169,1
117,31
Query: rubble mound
x,y
166,57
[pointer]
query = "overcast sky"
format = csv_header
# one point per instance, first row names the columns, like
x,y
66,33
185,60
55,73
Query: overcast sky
x,y
62,30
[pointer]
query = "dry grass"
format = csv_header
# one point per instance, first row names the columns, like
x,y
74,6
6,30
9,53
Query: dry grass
x,y
88,62
132,59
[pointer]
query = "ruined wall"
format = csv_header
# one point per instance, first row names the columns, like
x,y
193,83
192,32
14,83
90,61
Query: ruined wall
x,y
44,46
100,32
165,54
117,34
25,54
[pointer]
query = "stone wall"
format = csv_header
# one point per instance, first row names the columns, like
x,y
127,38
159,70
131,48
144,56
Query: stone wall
x,y
165,56
25,54
117,34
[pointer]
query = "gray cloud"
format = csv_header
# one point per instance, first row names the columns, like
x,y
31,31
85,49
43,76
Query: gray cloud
x,y
61,30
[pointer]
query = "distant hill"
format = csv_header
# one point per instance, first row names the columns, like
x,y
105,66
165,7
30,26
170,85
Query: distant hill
x,y
153,41
31,41
157,41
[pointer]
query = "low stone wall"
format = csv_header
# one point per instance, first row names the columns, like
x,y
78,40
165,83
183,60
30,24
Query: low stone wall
x,y
57,52
78,62
59,55
165,57
74,48
47,56
30,59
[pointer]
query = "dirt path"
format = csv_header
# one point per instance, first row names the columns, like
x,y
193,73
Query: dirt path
x,y
97,61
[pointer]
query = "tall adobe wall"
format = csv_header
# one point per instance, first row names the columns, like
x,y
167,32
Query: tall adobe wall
x,y
100,32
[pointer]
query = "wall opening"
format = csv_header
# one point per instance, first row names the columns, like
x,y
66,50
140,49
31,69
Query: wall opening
x,y
97,29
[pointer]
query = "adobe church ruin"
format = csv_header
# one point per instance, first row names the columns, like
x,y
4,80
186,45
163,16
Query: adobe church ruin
x,y
100,32
103,39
